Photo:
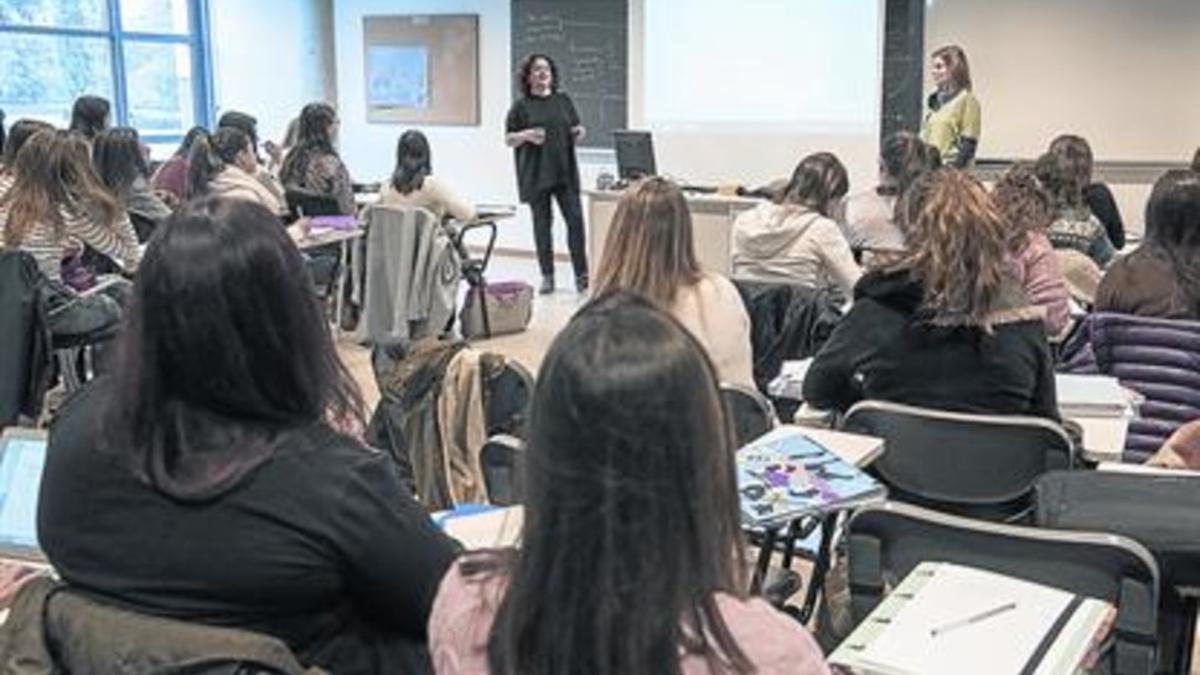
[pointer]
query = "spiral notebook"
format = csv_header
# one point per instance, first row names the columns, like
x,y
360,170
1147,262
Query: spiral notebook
x,y
945,618
786,475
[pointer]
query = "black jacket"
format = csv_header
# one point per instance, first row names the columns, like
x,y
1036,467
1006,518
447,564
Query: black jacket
x,y
885,350
787,322
25,358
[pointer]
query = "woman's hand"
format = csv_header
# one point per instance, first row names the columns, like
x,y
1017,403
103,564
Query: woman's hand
x,y
578,131
535,135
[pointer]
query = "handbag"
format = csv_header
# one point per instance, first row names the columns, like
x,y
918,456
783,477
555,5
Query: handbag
x,y
496,309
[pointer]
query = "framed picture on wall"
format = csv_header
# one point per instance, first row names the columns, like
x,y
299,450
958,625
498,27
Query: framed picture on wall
x,y
422,68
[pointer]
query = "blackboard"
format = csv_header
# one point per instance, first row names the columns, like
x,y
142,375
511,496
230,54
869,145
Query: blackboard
x,y
589,42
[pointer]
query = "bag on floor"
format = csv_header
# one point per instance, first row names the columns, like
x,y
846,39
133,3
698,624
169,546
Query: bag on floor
x,y
508,304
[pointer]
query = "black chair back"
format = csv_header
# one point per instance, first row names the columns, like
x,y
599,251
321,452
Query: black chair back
x,y
301,202
886,542
984,466
750,413
25,360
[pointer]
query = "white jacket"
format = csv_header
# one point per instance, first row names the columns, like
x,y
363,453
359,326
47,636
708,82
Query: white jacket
x,y
794,245
234,183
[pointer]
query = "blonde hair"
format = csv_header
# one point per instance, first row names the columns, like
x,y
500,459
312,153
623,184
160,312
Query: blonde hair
x,y
649,248
956,247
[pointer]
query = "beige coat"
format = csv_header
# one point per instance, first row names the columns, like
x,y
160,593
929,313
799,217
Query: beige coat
x,y
713,312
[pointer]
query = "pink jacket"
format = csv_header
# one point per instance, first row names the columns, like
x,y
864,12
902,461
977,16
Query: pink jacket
x,y
465,607
1038,270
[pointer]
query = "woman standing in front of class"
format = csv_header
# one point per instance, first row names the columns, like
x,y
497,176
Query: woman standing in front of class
x,y
542,128
952,124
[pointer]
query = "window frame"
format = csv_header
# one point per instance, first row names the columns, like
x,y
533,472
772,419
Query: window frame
x,y
196,39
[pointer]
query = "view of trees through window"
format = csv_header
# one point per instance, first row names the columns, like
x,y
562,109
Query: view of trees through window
x,y
139,54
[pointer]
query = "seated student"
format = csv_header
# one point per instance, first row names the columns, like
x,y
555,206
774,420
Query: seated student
x,y
869,218
1025,206
171,177
57,201
219,453
1074,226
413,185
1161,278
314,165
649,251
22,130
89,116
223,165
248,125
795,239
277,151
631,556
117,154
946,326
1097,196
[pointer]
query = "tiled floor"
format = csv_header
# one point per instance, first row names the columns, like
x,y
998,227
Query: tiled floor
x,y
550,314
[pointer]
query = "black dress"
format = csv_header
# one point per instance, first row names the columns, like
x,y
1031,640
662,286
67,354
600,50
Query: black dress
x,y
320,546
541,168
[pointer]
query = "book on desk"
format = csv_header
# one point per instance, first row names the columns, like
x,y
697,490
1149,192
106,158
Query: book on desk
x,y
945,618
786,475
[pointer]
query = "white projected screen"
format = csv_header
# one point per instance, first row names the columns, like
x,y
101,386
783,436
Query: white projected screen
x,y
1121,73
807,66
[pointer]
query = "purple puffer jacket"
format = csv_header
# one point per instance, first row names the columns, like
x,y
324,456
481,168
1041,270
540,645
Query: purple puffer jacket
x,y
1158,358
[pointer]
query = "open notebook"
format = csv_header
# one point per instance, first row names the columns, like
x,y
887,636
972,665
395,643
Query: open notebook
x,y
785,475
945,618
22,457
1092,396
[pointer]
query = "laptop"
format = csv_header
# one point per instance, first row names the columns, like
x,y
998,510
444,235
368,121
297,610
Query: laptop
x,y
22,458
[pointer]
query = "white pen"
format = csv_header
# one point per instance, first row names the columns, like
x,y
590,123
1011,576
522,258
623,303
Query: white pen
x,y
982,616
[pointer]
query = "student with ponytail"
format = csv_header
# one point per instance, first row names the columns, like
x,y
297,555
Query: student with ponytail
x,y
413,185
224,165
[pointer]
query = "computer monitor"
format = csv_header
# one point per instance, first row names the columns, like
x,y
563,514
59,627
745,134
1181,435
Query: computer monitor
x,y
635,154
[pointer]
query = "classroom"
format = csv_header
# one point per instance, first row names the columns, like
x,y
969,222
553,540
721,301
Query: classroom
x,y
470,337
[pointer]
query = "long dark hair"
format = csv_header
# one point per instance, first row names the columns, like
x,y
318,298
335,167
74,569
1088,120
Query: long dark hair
x,y
1060,177
117,155
526,67
904,156
631,516
189,139
818,179
314,139
89,116
413,162
3,136
225,348
53,170
211,154
22,130
1196,161
1173,228
1077,154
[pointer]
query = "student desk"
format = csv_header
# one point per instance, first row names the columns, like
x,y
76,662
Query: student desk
x,y
342,238
712,225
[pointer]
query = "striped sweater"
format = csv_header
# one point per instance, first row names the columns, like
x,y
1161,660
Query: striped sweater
x,y
118,242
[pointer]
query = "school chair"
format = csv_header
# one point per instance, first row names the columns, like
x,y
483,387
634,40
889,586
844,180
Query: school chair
x,y
884,543
983,466
25,359
1159,510
750,413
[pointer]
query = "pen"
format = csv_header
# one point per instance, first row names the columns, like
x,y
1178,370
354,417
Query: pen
x,y
982,616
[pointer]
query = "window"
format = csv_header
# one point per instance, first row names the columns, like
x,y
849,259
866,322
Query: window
x,y
145,56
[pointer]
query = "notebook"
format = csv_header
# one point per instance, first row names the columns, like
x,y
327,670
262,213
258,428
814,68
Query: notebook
x,y
480,526
22,457
785,475
789,383
945,619
1091,396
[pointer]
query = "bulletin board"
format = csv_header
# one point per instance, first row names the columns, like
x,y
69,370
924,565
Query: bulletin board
x,y
422,68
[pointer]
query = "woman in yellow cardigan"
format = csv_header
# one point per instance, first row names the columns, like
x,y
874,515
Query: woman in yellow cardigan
x,y
952,124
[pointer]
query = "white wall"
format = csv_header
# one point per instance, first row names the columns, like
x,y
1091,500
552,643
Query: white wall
x,y
270,57
474,159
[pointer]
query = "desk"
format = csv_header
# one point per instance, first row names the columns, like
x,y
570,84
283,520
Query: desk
x,y
712,226
318,238
857,449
